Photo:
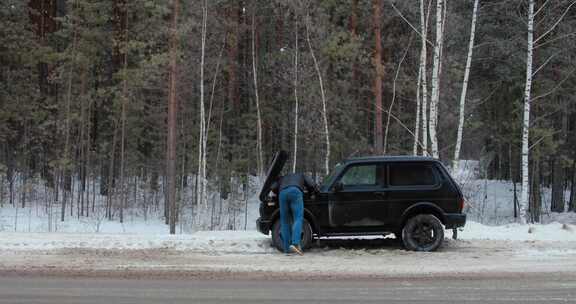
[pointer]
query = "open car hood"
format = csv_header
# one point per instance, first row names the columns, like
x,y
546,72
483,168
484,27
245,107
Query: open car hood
x,y
274,170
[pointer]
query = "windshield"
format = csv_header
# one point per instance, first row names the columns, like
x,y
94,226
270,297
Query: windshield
x,y
328,179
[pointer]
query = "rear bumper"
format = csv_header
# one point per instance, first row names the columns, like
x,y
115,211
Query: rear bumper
x,y
263,226
454,220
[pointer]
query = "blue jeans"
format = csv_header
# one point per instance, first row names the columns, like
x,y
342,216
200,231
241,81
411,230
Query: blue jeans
x,y
291,215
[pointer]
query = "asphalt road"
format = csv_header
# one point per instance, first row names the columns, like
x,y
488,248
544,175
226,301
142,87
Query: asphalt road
x,y
525,289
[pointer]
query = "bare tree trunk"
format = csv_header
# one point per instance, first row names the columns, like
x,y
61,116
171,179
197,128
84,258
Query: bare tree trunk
x,y
465,88
93,195
110,182
557,203
217,71
87,164
165,193
218,157
65,167
536,197
354,34
424,17
93,178
444,17
295,153
394,96
232,37
26,170
572,202
376,23
2,190
323,94
418,110
214,80
172,117
72,182
433,120
524,198
205,125
201,176
181,194
254,73
245,205
82,162
123,118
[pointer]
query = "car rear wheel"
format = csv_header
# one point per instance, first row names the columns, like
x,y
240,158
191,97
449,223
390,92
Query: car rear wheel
x,y
305,240
423,232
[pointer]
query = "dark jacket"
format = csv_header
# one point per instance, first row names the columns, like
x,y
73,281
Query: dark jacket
x,y
299,180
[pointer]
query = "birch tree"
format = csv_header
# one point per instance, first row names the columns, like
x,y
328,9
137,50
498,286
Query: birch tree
x,y
418,110
201,195
525,163
433,120
323,95
424,75
258,115
465,87
389,113
525,152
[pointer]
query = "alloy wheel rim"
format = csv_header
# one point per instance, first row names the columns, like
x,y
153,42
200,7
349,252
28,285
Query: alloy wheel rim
x,y
423,234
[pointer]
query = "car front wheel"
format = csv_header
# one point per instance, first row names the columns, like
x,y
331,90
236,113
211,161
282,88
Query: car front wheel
x,y
423,232
305,240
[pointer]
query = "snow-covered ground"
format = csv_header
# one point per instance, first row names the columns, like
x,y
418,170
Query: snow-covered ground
x,y
492,201
37,220
208,241
250,241
517,232
479,249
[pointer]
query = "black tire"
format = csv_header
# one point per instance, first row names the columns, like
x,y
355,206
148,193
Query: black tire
x,y
398,236
423,232
305,241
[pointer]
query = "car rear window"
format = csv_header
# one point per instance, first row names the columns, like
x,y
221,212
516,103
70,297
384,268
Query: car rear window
x,y
408,174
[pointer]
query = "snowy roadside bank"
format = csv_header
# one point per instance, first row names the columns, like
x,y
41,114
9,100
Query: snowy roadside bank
x,y
205,241
518,232
480,249
250,241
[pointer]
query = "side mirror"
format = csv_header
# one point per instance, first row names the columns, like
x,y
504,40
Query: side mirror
x,y
338,186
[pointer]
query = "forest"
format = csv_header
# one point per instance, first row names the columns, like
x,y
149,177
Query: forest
x,y
111,106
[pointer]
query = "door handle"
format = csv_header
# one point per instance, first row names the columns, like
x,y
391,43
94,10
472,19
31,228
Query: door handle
x,y
381,193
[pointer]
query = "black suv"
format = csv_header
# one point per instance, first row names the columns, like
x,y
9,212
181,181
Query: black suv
x,y
411,197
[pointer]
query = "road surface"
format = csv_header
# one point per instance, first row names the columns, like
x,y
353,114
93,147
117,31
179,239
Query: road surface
x,y
536,288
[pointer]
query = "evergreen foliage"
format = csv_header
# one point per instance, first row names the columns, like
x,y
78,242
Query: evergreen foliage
x,y
63,65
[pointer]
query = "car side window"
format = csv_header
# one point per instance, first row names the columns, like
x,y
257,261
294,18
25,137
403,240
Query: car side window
x,y
410,174
360,175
